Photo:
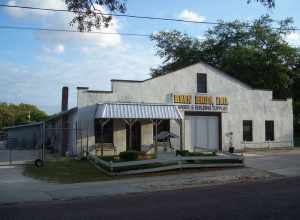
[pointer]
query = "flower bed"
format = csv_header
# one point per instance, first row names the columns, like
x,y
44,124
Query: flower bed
x,y
186,153
118,159
113,166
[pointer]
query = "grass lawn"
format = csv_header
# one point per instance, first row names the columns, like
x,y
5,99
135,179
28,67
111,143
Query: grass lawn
x,y
66,171
74,171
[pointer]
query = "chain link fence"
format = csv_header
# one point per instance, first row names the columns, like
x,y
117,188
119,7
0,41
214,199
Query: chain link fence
x,y
267,145
14,153
21,145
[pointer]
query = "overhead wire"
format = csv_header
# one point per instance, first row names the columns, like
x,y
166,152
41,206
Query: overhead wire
x,y
130,16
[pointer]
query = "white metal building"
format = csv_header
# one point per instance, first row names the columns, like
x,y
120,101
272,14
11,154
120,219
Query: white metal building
x,y
205,106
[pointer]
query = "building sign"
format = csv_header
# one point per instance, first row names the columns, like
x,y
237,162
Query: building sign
x,y
183,99
201,103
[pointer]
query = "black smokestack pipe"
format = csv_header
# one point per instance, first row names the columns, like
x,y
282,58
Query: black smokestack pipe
x,y
65,99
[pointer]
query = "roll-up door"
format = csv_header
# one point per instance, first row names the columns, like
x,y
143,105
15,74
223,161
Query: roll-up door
x,y
202,132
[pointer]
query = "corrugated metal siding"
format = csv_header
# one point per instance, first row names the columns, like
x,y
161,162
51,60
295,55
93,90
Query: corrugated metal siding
x,y
146,111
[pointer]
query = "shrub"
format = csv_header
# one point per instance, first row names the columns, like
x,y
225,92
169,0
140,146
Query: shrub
x,y
182,153
108,158
129,155
186,153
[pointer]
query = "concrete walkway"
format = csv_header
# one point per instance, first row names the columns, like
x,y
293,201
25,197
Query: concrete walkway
x,y
281,162
15,188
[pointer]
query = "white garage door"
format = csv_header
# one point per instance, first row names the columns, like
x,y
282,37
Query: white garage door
x,y
202,132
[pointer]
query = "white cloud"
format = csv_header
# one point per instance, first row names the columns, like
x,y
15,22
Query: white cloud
x,y
18,12
61,20
293,39
40,84
59,48
90,60
190,16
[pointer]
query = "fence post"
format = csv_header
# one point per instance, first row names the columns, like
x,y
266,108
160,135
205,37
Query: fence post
x,y
80,131
43,140
180,164
111,166
87,139
9,154
76,140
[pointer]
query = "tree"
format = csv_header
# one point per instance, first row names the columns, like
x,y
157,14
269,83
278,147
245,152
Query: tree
x,y
266,3
90,13
255,53
11,114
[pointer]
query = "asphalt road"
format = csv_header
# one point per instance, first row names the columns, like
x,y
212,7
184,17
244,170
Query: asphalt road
x,y
276,199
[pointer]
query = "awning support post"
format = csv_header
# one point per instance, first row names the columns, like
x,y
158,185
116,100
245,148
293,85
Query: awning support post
x,y
103,123
181,134
180,122
155,146
156,123
130,135
130,123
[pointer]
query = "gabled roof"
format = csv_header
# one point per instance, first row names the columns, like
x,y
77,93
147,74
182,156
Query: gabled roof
x,y
60,114
202,63
246,85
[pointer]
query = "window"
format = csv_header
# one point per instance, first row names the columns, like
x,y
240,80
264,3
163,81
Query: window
x,y
201,83
107,132
269,130
247,130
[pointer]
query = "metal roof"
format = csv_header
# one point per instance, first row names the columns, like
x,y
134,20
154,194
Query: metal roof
x,y
60,114
137,111
23,125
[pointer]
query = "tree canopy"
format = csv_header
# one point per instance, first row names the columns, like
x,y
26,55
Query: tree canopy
x,y
11,114
254,52
266,3
91,13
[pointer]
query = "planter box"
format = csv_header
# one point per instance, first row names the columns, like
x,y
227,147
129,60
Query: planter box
x,y
158,165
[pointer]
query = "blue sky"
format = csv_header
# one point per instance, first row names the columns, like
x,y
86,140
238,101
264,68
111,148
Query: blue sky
x,y
35,65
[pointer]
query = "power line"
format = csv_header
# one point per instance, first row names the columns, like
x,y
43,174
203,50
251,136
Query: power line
x,y
129,16
132,16
69,31
110,14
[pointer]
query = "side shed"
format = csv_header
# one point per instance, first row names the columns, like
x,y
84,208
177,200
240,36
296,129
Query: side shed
x,y
27,136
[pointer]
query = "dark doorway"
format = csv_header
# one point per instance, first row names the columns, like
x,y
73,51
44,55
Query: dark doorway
x,y
135,136
108,132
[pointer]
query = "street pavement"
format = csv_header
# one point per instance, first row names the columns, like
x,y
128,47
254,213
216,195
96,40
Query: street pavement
x,y
15,188
276,199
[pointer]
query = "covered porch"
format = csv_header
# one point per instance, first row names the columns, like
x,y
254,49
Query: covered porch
x,y
134,126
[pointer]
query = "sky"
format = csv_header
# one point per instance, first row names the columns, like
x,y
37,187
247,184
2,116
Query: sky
x,y
35,65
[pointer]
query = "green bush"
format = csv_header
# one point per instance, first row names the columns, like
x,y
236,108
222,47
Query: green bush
x,y
186,153
183,153
108,158
129,155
